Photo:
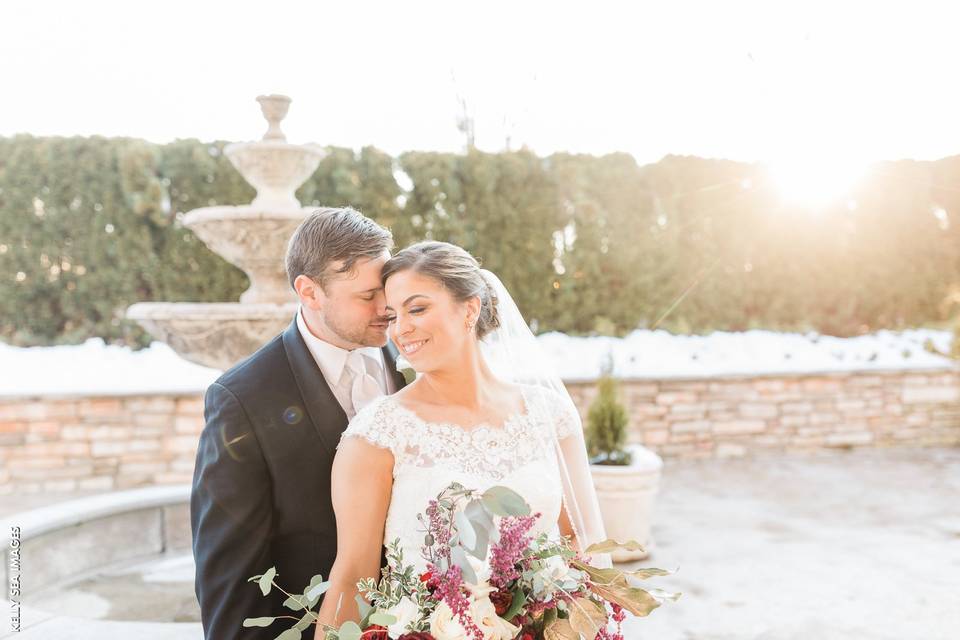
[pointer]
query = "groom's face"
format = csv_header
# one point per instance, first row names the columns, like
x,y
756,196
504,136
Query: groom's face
x,y
349,310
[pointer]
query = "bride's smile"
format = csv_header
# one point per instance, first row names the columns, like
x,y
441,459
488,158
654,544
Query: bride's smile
x,y
409,348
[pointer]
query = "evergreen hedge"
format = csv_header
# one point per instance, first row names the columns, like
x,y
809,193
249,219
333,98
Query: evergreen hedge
x,y
586,244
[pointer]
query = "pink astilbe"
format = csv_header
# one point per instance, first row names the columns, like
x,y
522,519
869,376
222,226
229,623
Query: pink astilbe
x,y
506,554
449,589
619,615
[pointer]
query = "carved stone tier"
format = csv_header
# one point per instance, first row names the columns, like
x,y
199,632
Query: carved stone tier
x,y
276,169
215,335
255,240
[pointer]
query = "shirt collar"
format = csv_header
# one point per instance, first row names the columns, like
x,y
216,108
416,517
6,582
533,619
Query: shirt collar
x,y
330,358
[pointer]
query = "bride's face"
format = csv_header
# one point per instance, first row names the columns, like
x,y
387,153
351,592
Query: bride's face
x,y
429,325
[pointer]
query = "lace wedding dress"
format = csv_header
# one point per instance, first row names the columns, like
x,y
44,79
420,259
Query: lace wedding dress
x,y
428,456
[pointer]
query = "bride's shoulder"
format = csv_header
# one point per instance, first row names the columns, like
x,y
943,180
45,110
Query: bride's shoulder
x,y
552,406
377,423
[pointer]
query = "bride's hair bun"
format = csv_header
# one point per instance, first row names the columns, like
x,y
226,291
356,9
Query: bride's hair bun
x,y
455,269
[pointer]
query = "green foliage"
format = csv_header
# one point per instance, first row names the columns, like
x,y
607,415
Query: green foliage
x,y
607,422
585,244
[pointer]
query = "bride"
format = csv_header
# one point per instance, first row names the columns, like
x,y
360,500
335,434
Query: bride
x,y
485,410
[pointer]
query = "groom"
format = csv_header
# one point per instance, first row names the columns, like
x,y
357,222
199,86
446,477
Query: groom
x,y
261,486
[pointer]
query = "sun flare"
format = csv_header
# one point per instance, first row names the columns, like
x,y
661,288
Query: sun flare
x,y
815,183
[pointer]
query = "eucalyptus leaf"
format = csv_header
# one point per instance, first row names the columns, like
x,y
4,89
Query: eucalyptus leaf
x,y
459,558
349,631
382,618
478,515
290,634
317,590
468,537
503,501
479,550
266,580
305,621
295,602
259,622
314,581
362,606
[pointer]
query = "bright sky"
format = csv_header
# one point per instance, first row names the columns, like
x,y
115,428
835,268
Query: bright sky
x,y
769,81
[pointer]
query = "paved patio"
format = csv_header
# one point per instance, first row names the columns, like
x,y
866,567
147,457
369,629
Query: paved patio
x,y
862,545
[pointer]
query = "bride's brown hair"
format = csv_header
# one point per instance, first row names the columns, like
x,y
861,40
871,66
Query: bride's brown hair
x,y
456,270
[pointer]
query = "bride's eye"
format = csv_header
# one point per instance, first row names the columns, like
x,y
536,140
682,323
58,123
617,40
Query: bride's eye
x,y
418,309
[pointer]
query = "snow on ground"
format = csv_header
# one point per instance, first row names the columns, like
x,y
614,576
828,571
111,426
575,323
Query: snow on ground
x,y
96,368
658,354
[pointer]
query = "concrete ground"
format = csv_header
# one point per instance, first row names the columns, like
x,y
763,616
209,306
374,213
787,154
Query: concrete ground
x,y
862,545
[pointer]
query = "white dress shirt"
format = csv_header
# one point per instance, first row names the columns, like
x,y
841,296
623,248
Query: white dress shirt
x,y
332,361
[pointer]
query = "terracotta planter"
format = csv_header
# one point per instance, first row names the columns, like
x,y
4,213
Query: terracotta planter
x,y
626,497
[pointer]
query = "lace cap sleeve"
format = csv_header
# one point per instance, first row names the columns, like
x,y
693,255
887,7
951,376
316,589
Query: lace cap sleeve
x,y
374,425
558,409
567,420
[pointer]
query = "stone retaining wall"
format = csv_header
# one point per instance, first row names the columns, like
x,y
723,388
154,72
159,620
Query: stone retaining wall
x,y
736,415
104,443
97,444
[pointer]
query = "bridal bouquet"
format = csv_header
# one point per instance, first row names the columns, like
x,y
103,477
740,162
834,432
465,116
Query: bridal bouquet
x,y
488,578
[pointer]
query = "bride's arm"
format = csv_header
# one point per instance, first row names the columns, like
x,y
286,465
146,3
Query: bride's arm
x,y
361,483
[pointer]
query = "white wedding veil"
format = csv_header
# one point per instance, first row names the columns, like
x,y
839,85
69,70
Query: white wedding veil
x,y
515,355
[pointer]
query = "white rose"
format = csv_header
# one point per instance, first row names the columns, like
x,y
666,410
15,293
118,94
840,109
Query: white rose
x,y
444,625
405,611
481,589
484,615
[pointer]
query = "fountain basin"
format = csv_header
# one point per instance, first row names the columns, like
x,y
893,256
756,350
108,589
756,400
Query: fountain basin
x,y
253,238
216,335
275,168
80,541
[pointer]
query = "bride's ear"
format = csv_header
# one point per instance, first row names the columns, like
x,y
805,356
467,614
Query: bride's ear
x,y
473,311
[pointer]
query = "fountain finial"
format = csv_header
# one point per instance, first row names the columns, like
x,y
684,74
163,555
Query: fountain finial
x,y
274,108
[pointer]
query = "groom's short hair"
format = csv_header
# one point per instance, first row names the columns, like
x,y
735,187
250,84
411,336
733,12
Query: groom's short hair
x,y
331,235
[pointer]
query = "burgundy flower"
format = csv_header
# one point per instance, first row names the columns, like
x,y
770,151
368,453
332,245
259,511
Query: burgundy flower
x,y
416,635
501,599
375,632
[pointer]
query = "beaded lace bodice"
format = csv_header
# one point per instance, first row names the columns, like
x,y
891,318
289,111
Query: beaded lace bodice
x,y
428,456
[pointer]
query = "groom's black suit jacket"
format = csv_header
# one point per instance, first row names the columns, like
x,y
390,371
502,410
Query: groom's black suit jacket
x,y
261,486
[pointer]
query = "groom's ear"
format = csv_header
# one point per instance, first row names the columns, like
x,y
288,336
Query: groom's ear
x,y
309,292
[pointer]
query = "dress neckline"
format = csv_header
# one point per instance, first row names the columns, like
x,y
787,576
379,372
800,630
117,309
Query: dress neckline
x,y
480,426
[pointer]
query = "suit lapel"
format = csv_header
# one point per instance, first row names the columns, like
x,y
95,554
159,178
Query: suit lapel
x,y
326,414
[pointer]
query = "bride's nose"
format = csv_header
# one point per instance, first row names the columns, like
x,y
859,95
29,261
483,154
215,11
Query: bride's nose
x,y
404,326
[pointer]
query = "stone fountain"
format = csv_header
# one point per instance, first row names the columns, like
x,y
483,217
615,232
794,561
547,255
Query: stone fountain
x,y
254,238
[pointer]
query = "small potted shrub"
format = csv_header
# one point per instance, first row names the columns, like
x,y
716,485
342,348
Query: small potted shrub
x,y
626,476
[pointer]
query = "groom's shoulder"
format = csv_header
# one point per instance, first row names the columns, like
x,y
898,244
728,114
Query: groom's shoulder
x,y
258,370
